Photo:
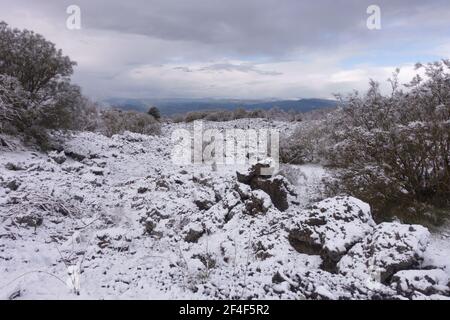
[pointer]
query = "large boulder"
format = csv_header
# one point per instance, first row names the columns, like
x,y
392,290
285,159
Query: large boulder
x,y
390,248
424,282
330,228
277,187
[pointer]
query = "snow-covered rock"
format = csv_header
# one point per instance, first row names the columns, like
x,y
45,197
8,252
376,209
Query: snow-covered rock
x,y
322,285
127,219
390,248
427,282
330,228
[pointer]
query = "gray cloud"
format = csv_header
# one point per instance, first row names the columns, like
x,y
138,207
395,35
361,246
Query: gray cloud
x,y
124,45
264,27
247,67
184,69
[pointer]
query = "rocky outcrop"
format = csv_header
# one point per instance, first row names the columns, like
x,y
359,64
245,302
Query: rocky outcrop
x,y
330,228
277,187
390,248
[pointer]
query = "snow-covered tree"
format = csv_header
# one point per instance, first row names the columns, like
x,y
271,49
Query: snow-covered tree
x,y
154,112
34,61
35,89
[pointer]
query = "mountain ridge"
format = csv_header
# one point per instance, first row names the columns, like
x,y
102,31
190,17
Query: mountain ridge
x,y
179,105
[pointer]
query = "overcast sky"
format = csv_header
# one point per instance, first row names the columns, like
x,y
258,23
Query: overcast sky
x,y
236,48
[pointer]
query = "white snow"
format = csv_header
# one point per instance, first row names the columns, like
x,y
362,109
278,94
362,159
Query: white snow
x,y
114,226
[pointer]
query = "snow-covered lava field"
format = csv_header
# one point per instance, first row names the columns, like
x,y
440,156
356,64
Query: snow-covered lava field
x,y
115,218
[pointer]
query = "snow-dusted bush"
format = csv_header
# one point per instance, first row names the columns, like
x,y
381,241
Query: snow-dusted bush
x,y
394,150
114,121
239,113
220,116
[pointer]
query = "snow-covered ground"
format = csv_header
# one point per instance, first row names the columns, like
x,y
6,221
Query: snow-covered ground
x,y
114,218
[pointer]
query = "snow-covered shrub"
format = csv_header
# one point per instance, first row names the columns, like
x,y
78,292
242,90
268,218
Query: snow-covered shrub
x,y
113,121
220,116
394,150
239,113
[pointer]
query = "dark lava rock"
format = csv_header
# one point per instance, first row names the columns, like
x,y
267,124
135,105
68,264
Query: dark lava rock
x,y
276,187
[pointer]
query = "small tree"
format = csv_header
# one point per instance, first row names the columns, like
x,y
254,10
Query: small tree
x,y
154,111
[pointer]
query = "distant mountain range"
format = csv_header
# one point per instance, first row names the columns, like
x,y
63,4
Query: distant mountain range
x,y
179,106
